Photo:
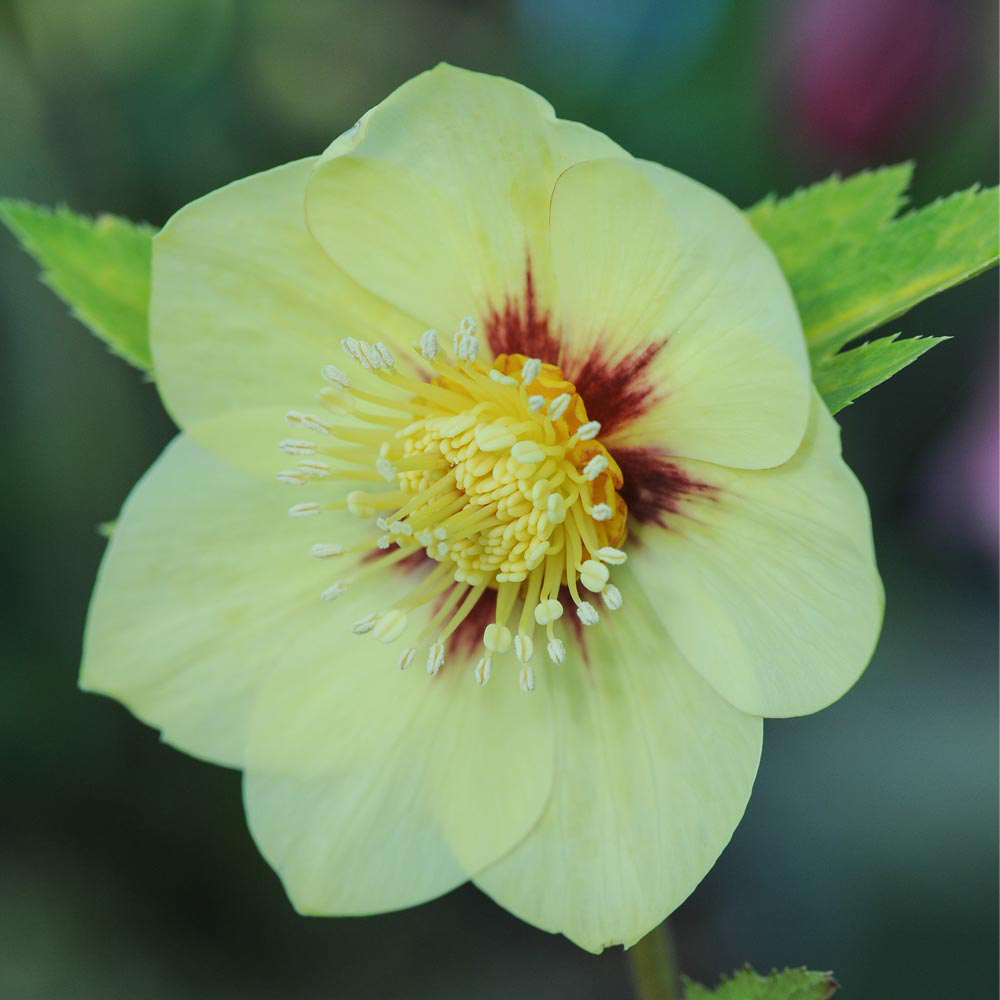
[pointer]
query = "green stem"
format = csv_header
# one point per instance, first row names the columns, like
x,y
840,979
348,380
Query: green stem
x,y
653,966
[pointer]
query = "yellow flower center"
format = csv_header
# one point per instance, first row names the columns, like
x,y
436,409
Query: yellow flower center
x,y
499,478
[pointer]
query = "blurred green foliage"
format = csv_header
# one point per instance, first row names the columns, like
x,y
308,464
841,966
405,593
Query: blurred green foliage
x,y
790,984
869,846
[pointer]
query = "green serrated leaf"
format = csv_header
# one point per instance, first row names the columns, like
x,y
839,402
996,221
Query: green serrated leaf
x,y
99,267
845,376
853,265
830,213
790,984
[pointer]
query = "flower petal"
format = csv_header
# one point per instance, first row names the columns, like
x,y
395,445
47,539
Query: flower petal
x,y
666,281
207,594
246,308
438,197
653,773
369,789
767,580
205,584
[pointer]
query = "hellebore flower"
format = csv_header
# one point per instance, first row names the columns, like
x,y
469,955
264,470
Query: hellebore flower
x,y
602,507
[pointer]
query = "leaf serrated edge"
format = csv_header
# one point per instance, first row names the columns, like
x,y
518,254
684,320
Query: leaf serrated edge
x,y
819,336
836,179
832,986
9,208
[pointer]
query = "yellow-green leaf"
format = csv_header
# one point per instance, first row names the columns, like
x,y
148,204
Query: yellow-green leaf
x,y
791,984
845,376
99,267
852,266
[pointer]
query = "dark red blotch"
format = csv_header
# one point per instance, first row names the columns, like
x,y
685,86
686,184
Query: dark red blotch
x,y
615,391
654,485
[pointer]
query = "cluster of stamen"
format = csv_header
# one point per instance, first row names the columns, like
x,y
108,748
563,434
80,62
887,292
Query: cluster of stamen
x,y
494,472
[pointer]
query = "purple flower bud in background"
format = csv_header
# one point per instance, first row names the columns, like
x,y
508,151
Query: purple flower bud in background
x,y
961,499
860,72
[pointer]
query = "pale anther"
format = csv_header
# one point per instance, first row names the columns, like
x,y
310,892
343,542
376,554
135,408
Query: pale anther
x,y
556,650
494,437
484,669
527,679
365,625
334,591
502,379
370,357
291,477
314,469
467,326
559,405
304,510
385,354
406,657
435,658
352,350
601,512
497,638
308,421
360,504
589,430
594,575
336,377
390,626
548,611
527,452
535,403
290,447
610,555
430,345
587,613
385,469
523,647
530,370
467,347
612,597
556,508
595,467
326,550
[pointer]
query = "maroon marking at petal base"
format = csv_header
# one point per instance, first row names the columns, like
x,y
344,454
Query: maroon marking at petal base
x,y
614,391
520,328
654,485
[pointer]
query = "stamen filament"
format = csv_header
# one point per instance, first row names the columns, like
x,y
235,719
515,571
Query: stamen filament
x,y
492,471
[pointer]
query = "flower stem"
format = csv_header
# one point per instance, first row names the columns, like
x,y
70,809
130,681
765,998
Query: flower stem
x,y
653,966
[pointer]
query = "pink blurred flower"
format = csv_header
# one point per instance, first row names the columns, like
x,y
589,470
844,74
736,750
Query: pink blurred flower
x,y
861,71
961,492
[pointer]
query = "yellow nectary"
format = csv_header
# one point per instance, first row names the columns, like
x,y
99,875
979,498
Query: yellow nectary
x,y
500,479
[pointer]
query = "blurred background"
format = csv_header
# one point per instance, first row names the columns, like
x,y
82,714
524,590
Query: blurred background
x,y
870,843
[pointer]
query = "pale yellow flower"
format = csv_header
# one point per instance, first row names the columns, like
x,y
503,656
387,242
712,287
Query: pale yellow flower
x,y
600,514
